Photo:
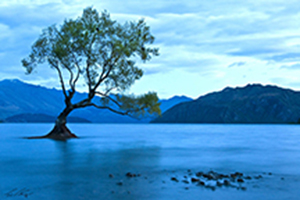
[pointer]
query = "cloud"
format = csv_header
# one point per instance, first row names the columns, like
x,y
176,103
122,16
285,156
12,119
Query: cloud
x,y
291,56
291,67
204,38
286,82
237,64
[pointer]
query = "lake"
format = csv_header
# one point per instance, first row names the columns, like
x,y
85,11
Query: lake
x,y
95,166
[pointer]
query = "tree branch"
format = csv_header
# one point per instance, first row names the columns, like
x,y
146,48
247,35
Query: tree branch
x,y
109,108
103,77
127,113
71,79
88,63
61,80
77,75
106,96
78,71
87,70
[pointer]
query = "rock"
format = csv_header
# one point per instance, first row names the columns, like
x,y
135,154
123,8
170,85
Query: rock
x,y
226,176
130,175
110,176
221,176
239,174
240,180
210,187
248,178
174,179
185,181
219,184
199,174
209,176
236,175
120,183
201,183
258,177
226,183
194,180
233,176
243,188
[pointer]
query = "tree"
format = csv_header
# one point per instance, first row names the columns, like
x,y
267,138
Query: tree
x,y
103,53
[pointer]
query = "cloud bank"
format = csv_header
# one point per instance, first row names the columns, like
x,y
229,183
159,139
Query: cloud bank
x,y
204,45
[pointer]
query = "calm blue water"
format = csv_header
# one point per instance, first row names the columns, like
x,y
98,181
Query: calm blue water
x,y
80,168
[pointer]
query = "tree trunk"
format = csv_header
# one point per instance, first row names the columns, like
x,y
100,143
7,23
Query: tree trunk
x,y
60,130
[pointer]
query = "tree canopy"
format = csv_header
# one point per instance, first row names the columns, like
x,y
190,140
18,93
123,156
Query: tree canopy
x,y
104,54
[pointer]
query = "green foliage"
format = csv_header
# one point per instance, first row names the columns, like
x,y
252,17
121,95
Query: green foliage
x,y
141,105
99,49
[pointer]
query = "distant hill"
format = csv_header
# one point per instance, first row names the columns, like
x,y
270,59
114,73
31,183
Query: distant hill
x,y
40,118
251,104
169,103
17,99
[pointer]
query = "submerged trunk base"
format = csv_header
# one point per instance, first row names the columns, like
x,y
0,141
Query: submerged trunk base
x,y
59,132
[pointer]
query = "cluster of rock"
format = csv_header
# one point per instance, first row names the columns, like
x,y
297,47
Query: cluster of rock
x,y
213,180
210,180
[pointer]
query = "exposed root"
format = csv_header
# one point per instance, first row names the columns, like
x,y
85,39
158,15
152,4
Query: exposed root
x,y
58,133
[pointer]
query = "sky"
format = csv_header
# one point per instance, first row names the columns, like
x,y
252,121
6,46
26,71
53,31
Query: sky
x,y
204,45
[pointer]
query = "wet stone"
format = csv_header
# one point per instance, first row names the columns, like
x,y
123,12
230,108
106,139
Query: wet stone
x,y
130,175
209,176
199,174
226,183
194,180
210,187
233,176
119,183
239,174
258,177
243,188
174,179
201,183
219,184
240,180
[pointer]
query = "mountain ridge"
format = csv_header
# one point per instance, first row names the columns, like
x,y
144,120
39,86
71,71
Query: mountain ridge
x,y
253,103
18,98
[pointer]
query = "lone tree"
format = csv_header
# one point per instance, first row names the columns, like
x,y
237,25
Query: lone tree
x,y
101,52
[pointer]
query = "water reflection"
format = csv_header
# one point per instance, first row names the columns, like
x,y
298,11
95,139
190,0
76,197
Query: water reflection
x,y
86,173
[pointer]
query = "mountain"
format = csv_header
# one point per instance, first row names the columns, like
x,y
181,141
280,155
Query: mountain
x,y
168,103
40,118
250,104
21,101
